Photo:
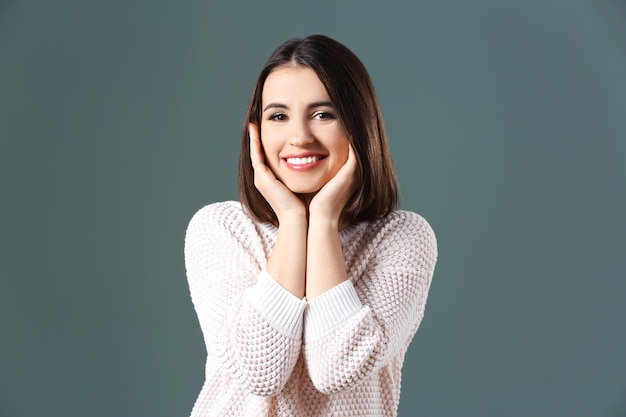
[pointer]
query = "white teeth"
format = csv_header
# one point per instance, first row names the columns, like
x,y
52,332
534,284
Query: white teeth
x,y
302,161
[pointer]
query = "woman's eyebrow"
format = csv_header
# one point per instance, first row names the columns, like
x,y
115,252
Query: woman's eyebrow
x,y
320,104
310,106
275,106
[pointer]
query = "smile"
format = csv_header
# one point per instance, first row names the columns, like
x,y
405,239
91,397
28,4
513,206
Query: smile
x,y
303,163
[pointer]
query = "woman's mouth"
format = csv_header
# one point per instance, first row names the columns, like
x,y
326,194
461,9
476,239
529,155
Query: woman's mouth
x,y
303,163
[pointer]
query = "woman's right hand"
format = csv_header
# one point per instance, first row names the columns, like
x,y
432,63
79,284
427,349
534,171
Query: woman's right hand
x,y
284,202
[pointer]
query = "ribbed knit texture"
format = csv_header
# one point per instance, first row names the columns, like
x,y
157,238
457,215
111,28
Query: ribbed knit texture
x,y
272,354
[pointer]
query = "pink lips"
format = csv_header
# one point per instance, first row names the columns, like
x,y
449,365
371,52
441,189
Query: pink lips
x,y
303,162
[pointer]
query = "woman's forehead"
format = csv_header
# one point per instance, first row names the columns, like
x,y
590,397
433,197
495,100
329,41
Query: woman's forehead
x,y
290,83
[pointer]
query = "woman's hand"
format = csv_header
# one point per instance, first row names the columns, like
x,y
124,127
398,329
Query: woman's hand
x,y
287,262
330,200
284,202
325,262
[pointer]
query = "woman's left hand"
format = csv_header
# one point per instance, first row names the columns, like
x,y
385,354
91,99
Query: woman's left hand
x,y
330,200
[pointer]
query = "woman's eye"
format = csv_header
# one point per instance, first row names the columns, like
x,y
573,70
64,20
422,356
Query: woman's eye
x,y
322,115
278,117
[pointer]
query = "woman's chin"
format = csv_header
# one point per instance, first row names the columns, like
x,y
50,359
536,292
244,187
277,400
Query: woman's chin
x,y
304,190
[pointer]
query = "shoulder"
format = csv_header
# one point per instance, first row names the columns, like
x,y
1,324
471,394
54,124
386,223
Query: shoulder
x,y
222,211
406,224
227,217
403,217
406,232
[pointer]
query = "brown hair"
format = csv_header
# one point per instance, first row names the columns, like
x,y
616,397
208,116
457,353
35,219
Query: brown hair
x,y
353,96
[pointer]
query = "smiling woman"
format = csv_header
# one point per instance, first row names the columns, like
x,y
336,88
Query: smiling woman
x,y
304,141
309,291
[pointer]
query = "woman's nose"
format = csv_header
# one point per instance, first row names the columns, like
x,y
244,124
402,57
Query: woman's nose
x,y
300,134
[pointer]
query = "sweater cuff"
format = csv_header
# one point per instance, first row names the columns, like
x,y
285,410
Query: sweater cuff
x,y
330,309
279,307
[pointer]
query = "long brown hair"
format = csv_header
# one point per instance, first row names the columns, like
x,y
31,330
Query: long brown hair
x,y
352,93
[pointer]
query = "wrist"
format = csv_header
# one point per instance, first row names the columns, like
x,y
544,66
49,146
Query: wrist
x,y
323,222
292,220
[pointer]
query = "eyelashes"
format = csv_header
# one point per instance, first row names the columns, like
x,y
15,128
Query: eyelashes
x,y
318,115
323,115
278,117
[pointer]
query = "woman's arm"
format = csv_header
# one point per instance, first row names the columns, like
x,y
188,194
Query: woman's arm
x,y
353,330
287,261
325,263
236,300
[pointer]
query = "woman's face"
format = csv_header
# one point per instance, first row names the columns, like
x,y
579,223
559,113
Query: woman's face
x,y
304,142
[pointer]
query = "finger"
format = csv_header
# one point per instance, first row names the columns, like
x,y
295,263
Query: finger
x,y
350,170
263,175
351,155
255,146
350,166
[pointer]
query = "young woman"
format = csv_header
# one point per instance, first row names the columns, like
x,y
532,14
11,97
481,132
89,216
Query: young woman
x,y
309,291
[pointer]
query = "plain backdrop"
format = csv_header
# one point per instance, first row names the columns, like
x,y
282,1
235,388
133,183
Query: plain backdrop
x,y
507,123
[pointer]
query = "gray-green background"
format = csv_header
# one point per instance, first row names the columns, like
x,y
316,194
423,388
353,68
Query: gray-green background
x,y
507,122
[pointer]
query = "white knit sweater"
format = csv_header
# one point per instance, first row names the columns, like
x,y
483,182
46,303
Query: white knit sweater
x,y
272,354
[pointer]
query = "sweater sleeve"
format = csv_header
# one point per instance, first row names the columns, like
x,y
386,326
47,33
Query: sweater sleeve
x,y
356,328
250,323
